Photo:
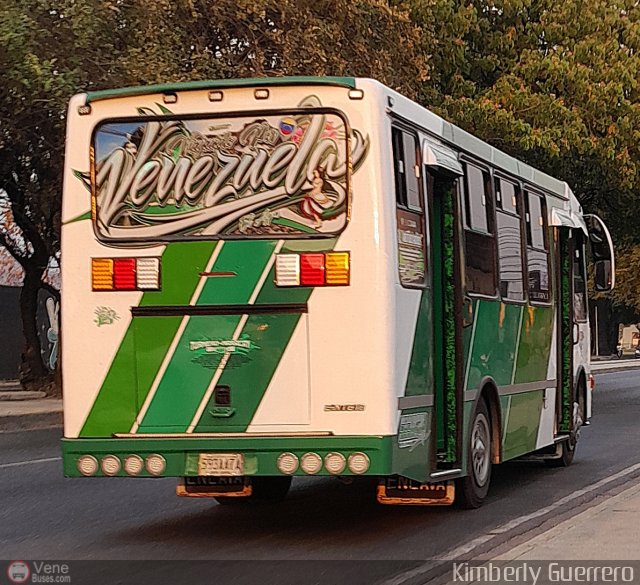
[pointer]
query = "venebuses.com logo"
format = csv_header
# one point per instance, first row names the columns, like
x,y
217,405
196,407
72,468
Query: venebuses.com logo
x,y
18,572
38,572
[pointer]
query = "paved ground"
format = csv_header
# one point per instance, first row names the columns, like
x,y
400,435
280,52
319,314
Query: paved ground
x,y
44,515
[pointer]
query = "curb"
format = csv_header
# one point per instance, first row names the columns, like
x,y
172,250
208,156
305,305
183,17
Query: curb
x,y
29,422
612,370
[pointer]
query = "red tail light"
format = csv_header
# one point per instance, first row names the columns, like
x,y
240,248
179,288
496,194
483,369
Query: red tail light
x,y
312,269
124,273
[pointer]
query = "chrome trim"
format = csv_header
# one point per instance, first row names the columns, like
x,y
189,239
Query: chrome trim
x,y
220,435
415,401
470,395
526,387
444,474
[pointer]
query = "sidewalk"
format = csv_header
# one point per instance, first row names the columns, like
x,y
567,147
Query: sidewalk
x,y
603,367
20,410
608,531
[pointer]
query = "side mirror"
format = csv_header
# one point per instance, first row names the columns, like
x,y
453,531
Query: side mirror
x,y
602,252
603,275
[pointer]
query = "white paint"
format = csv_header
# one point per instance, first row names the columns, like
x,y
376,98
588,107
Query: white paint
x,y
29,462
547,425
287,398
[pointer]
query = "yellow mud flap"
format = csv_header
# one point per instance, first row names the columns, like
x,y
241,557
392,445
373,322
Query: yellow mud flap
x,y
212,487
403,491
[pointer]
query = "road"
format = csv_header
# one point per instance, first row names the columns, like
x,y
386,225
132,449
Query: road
x,y
44,515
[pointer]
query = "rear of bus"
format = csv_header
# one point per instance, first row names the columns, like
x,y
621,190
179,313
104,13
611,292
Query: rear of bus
x,y
225,306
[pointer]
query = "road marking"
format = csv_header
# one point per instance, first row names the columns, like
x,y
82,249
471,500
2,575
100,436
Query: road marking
x,y
29,462
465,549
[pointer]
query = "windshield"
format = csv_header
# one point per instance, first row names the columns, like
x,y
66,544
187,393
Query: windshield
x,y
276,175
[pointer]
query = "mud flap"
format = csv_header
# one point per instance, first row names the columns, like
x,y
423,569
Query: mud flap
x,y
398,490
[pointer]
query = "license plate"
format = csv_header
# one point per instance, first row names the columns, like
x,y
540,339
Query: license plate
x,y
220,464
401,490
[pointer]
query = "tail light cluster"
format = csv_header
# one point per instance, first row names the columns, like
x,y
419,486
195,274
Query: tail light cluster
x,y
121,274
313,269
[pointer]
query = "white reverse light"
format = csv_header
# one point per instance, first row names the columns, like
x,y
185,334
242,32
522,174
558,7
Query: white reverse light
x,y
110,465
87,465
287,463
155,464
288,269
359,463
335,463
311,463
133,465
148,273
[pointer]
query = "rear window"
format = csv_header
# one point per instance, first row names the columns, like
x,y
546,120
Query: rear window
x,y
159,178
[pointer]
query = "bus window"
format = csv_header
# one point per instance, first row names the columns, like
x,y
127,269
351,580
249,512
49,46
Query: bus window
x,y
579,282
537,249
405,155
479,240
509,241
409,212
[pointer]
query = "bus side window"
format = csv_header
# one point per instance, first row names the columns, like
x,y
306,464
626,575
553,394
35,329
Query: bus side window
x,y
537,249
479,232
579,281
509,240
410,220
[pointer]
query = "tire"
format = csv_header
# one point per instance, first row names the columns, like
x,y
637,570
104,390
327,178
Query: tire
x,y
472,489
265,489
569,446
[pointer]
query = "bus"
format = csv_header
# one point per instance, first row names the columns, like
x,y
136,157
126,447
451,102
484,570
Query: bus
x,y
315,276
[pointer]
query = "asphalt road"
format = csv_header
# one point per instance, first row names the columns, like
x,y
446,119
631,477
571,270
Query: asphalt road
x,y
44,515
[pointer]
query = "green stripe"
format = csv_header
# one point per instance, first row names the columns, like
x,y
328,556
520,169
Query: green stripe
x,y
186,379
116,407
272,333
248,381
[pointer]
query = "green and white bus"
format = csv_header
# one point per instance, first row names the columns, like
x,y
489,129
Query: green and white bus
x,y
268,278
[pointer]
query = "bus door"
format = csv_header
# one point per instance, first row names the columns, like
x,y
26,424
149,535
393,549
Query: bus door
x,y
442,173
572,324
574,332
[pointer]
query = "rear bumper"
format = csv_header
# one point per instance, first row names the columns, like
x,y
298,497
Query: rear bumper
x,y
260,453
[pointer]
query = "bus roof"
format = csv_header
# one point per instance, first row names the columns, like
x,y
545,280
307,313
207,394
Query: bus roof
x,y
93,96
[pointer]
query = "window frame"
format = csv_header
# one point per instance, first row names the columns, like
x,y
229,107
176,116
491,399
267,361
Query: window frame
x,y
490,199
423,211
213,116
526,190
520,207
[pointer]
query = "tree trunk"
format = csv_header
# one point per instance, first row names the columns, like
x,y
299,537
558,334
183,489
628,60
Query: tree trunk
x,y
32,368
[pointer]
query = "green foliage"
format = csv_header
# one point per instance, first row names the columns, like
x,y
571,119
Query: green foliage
x,y
51,50
554,83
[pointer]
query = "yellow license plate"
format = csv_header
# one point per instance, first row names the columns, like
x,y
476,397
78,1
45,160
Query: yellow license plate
x,y
220,464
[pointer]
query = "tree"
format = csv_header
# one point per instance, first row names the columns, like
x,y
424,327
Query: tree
x,y
553,83
50,51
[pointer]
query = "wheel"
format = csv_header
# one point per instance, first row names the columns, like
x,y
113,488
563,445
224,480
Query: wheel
x,y
473,489
265,489
570,445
